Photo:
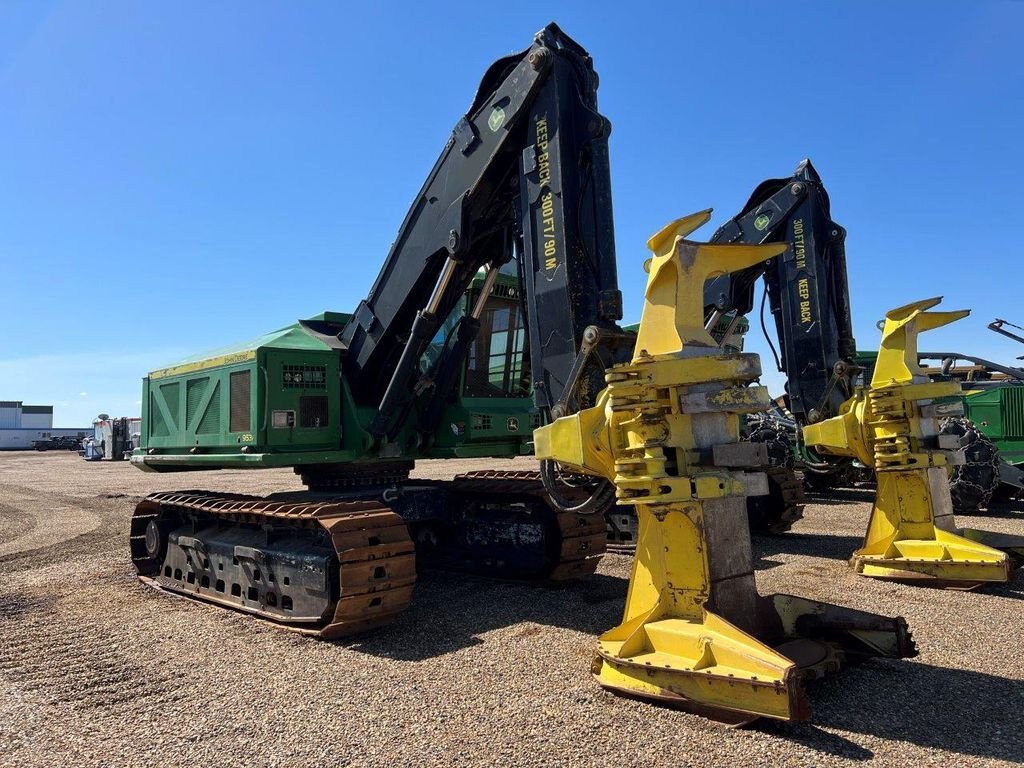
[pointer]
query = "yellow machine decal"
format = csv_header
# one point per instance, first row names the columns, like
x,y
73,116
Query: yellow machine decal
x,y
547,200
202,365
803,285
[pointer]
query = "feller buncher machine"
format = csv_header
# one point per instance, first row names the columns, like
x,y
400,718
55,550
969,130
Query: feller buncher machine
x,y
493,329
807,291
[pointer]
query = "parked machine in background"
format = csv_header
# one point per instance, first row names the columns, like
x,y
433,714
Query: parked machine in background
x,y
58,443
1000,326
113,439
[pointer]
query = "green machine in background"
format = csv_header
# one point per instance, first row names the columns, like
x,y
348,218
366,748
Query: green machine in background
x,y
998,412
998,409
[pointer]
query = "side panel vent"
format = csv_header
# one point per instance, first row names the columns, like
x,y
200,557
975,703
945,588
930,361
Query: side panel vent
x,y
195,389
1013,418
210,423
169,393
313,411
241,406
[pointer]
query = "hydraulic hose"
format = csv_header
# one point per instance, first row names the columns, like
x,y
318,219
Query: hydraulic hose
x,y
597,503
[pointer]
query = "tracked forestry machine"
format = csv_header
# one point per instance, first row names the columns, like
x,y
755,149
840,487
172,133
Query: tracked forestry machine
x,y
499,298
432,364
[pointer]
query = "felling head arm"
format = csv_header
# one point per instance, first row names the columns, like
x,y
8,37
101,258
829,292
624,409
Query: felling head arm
x,y
897,356
673,314
893,427
852,433
665,431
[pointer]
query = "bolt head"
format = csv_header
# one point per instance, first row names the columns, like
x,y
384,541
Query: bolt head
x,y
539,58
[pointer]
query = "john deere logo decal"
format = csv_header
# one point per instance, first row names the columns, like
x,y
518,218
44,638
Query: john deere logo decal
x,y
513,424
761,222
497,119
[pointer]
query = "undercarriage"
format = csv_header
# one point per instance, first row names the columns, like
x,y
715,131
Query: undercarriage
x,y
334,564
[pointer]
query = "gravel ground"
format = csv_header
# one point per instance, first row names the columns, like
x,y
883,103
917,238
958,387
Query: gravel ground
x,y
96,669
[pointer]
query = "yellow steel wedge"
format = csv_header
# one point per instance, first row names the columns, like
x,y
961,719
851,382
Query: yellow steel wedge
x,y
893,426
665,431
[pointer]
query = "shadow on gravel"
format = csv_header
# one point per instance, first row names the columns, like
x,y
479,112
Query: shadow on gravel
x,y
968,713
14,604
1012,590
810,544
812,737
842,496
450,611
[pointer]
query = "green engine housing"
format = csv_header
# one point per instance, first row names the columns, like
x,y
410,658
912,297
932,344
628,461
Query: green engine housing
x,y
998,412
281,400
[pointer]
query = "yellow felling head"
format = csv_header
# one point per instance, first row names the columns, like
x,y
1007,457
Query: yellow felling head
x,y
673,314
897,357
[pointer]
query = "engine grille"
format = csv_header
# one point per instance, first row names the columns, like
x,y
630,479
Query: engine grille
x,y
1013,413
240,402
313,411
304,377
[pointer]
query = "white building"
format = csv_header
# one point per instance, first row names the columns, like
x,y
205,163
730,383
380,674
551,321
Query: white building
x,y
21,425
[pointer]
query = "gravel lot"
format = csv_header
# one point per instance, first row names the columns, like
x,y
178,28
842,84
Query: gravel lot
x,y
96,669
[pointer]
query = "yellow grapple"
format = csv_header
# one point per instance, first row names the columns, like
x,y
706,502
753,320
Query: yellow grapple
x,y
893,426
665,431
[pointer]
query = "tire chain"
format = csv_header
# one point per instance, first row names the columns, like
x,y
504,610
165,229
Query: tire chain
x,y
775,513
972,484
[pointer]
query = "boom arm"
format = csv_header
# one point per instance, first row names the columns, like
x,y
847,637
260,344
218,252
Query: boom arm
x,y
526,169
568,240
806,286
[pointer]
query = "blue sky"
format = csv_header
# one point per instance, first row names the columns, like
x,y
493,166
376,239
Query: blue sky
x,y
177,176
